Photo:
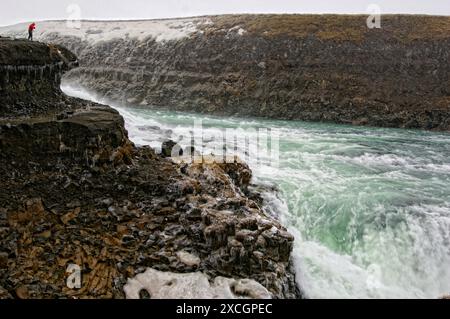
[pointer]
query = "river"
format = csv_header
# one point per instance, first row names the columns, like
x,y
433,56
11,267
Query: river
x,y
369,207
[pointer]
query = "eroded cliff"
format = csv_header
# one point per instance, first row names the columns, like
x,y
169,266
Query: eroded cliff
x,y
30,75
318,68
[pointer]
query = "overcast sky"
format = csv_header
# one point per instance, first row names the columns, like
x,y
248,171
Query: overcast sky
x,y
14,11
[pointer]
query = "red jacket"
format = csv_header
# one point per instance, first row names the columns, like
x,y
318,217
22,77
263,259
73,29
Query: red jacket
x,y
32,27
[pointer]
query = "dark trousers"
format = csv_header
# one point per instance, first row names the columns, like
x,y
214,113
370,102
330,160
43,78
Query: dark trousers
x,y
30,35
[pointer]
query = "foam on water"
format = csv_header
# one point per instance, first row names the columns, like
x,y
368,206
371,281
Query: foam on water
x,y
370,208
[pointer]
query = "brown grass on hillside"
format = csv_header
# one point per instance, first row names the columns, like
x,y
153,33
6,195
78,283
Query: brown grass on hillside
x,y
337,27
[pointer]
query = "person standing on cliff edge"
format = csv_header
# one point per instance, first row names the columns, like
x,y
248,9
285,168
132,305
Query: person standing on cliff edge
x,y
31,28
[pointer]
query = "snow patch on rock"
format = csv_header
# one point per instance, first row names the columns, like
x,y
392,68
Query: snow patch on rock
x,y
97,31
169,285
236,30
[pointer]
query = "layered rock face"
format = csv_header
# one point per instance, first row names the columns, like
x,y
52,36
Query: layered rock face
x,y
317,68
30,75
76,191
87,135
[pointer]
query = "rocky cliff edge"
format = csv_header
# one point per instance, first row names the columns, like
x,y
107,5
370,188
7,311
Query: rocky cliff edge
x,y
76,191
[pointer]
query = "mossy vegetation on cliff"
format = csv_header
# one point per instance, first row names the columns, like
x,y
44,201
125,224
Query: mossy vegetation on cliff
x,y
337,27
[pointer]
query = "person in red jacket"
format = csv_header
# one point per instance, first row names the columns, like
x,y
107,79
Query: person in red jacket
x,y
31,28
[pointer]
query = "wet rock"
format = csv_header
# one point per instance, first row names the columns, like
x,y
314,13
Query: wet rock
x,y
149,128
250,223
239,172
278,244
243,234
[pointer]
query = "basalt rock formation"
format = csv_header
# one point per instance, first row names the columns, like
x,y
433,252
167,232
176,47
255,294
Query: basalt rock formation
x,y
30,74
76,191
318,68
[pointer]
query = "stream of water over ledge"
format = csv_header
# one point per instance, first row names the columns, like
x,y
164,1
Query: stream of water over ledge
x,y
370,207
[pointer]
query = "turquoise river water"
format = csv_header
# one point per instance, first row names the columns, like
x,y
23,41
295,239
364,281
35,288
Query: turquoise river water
x,y
369,207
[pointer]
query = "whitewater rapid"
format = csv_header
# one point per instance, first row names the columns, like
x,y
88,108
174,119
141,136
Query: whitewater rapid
x,y
369,207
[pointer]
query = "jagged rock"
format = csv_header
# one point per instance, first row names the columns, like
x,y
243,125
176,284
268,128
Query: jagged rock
x,y
167,285
3,260
76,191
239,172
91,136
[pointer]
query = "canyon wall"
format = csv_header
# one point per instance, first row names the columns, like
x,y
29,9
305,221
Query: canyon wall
x,y
318,68
30,75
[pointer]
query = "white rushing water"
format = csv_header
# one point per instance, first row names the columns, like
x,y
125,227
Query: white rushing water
x,y
370,207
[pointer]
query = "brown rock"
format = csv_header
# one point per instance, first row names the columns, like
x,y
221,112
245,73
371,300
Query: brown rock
x,y
22,292
70,216
122,229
